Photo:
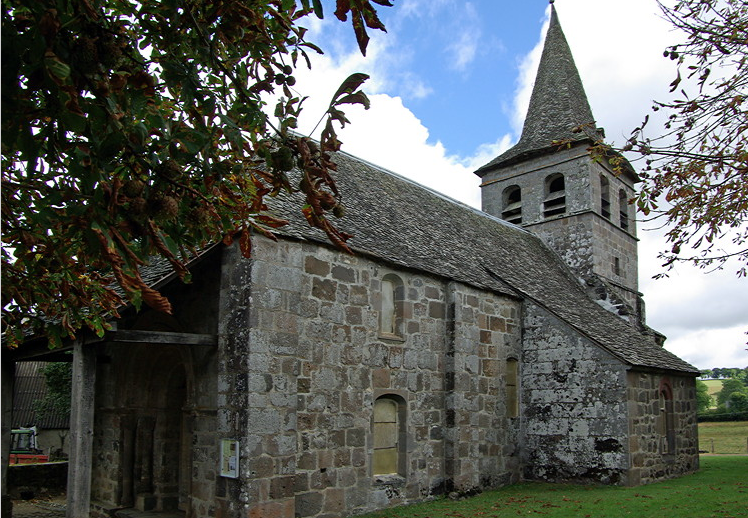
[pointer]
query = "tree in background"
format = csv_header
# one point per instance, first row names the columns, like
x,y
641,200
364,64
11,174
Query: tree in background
x,y
132,129
58,378
729,387
703,400
737,402
699,164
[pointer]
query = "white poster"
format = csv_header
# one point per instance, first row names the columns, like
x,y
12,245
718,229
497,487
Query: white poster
x,y
229,458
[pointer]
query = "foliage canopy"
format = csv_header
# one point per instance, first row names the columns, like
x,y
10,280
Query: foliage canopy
x,y
58,377
699,164
695,177
132,129
703,399
730,387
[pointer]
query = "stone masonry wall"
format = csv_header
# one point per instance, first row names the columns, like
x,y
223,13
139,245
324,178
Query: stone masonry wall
x,y
652,459
317,362
481,440
233,372
155,413
574,405
590,245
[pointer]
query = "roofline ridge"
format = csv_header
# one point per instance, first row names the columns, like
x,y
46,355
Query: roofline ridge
x,y
433,191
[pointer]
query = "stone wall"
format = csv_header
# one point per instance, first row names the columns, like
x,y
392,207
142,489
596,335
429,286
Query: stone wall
x,y
304,354
317,362
155,444
233,371
662,446
590,245
574,425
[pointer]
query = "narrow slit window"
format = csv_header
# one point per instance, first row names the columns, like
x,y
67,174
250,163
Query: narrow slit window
x,y
604,197
512,211
555,197
666,420
512,393
388,316
623,208
391,311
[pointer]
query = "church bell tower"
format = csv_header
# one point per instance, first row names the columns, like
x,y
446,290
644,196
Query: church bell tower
x,y
578,205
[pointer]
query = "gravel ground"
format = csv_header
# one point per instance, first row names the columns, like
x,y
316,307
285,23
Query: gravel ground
x,y
51,507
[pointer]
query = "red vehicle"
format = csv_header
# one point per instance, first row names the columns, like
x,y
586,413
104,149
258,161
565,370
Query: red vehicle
x,y
23,447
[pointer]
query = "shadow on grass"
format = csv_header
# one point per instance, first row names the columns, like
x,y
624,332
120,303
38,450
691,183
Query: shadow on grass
x,y
718,490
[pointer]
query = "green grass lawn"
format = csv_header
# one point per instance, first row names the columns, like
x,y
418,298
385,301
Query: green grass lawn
x,y
727,437
718,490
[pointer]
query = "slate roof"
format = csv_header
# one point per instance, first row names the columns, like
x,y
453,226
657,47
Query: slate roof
x,y
557,105
406,224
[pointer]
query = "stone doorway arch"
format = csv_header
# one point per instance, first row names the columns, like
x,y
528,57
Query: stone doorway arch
x,y
155,394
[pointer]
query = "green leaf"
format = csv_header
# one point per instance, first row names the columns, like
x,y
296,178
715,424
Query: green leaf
x,y
170,244
111,145
73,121
56,67
318,9
355,98
348,86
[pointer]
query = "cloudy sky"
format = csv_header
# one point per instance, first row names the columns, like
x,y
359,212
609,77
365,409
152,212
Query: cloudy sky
x,y
450,83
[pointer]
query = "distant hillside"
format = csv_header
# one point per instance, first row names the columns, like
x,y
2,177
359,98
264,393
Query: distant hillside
x,y
714,387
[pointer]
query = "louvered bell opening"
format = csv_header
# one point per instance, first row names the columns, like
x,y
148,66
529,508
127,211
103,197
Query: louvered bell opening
x,y
605,209
513,213
554,204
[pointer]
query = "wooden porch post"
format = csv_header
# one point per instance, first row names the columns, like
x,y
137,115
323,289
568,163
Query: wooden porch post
x,y
81,430
8,374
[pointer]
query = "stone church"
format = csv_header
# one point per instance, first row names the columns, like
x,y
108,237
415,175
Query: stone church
x,y
457,350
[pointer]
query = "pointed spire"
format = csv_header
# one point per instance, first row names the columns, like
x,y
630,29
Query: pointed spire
x,y
558,102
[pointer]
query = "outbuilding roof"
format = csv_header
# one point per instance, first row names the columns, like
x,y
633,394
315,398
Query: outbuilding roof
x,y
30,388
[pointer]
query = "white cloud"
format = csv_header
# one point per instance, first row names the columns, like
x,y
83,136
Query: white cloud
x,y
414,88
487,152
423,8
461,52
708,348
390,136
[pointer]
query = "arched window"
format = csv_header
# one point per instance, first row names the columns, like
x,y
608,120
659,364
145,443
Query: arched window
x,y
555,196
391,313
389,436
512,199
623,208
604,197
512,386
666,424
